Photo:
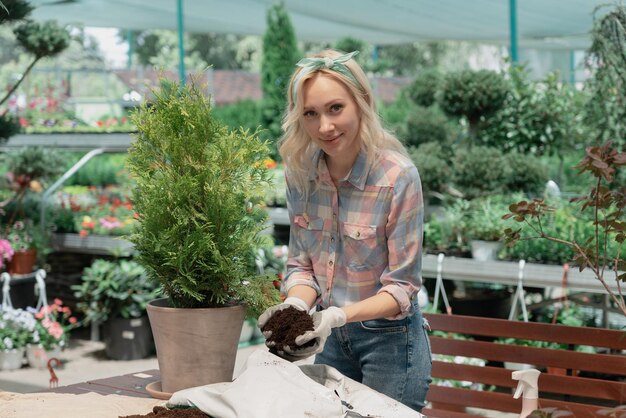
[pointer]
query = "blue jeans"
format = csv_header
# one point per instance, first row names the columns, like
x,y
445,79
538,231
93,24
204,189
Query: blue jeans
x,y
392,357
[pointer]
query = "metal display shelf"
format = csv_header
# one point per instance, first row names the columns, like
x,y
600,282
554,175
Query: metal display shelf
x,y
453,268
507,272
71,141
91,244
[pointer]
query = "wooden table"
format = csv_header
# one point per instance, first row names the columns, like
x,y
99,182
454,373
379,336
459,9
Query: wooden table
x,y
133,384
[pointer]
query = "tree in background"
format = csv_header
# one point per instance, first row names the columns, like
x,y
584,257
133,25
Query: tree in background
x,y
160,48
41,40
606,108
407,59
280,54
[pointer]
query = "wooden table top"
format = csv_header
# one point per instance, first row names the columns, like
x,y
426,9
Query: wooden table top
x,y
133,384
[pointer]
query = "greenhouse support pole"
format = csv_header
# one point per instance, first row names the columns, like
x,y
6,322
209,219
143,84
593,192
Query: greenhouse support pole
x,y
181,42
513,29
131,41
572,67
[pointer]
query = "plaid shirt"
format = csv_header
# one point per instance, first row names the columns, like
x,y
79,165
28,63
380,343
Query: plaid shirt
x,y
361,238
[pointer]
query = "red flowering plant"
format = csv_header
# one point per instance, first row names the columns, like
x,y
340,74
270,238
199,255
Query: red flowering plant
x,y
111,215
53,326
98,211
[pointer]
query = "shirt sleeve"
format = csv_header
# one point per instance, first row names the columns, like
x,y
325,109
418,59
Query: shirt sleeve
x,y
299,264
405,224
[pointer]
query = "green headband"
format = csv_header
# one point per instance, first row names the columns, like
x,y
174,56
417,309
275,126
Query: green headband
x,y
310,65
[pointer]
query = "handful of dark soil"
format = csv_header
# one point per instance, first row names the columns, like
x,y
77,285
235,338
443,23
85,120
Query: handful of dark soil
x,y
286,325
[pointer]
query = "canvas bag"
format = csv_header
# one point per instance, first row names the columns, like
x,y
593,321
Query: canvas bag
x,y
270,387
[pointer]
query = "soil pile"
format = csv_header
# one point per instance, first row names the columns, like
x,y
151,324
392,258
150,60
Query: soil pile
x,y
162,412
286,325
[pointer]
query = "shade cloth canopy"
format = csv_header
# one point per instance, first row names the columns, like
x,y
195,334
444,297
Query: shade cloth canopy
x,y
551,24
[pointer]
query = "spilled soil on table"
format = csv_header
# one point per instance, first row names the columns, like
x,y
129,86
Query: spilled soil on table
x,y
162,412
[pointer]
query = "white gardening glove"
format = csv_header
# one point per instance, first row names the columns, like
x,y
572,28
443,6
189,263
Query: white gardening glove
x,y
323,322
269,312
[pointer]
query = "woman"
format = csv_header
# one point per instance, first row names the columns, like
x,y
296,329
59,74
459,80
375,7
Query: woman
x,y
356,213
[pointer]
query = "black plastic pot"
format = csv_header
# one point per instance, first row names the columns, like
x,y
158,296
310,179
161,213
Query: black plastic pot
x,y
128,339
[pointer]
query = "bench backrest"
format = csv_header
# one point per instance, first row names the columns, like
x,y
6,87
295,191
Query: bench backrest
x,y
588,383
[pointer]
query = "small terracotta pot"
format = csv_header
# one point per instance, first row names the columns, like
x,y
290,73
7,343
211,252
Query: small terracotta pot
x,y
22,262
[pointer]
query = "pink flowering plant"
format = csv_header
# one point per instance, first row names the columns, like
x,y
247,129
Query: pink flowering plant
x,y
53,325
6,253
16,328
24,235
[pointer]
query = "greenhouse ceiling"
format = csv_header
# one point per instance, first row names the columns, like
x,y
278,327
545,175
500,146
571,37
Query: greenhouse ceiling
x,y
552,24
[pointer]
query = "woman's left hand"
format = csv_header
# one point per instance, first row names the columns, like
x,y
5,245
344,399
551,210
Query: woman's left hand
x,y
323,322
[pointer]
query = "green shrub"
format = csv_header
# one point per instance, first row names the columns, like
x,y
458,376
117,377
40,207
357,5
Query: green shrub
x,y
537,117
473,95
422,91
245,114
114,289
102,170
35,163
527,173
395,114
483,219
433,162
568,223
426,124
479,171
444,231
9,126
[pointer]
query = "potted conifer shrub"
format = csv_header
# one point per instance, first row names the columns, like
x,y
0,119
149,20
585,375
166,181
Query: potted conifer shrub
x,y
197,195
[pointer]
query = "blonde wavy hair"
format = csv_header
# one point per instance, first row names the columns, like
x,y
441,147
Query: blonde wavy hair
x,y
297,148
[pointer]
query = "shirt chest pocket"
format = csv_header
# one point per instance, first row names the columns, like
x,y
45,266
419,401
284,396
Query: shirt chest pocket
x,y
363,246
309,232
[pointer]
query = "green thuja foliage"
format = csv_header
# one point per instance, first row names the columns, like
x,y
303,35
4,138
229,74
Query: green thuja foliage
x,y
280,54
197,195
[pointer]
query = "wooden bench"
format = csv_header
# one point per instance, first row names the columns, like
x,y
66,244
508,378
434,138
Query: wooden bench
x,y
593,382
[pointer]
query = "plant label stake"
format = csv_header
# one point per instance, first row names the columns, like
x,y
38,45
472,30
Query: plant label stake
x,y
439,286
519,294
6,292
40,287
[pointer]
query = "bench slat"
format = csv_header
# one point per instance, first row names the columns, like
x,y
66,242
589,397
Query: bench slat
x,y
601,363
548,383
597,337
439,413
503,402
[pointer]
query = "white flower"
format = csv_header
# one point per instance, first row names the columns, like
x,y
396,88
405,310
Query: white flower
x,y
8,343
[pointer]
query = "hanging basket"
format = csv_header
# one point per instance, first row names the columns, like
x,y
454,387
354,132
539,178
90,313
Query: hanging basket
x,y
22,262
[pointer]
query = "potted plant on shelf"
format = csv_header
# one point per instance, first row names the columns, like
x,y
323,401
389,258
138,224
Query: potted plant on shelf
x,y
26,241
28,170
485,227
114,294
197,194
